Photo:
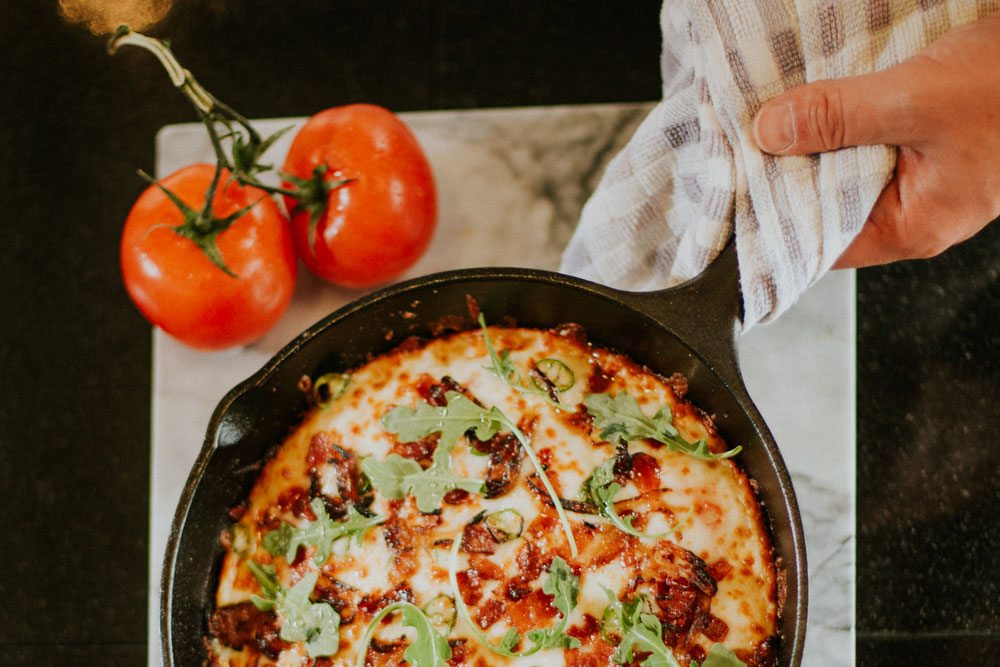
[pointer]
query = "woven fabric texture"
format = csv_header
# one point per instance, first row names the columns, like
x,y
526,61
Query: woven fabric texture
x,y
691,175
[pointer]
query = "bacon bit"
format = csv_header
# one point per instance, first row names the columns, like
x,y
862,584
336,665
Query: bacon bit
x,y
762,655
587,630
456,497
645,472
579,420
716,629
342,597
599,655
412,343
613,545
322,448
470,586
486,568
296,500
236,512
408,314
458,650
720,569
599,380
446,324
370,605
305,384
505,463
679,384
420,451
489,613
434,392
571,331
268,519
697,653
241,624
476,538
529,560
402,543
534,610
473,306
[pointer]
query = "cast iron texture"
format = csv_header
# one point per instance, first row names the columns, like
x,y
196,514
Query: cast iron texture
x,y
689,329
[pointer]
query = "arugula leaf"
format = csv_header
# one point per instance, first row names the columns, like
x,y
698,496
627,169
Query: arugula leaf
x,y
637,629
451,421
504,368
621,417
316,624
396,476
564,586
601,488
321,533
560,583
428,648
720,656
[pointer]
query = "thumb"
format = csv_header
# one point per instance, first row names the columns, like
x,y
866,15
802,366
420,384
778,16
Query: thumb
x,y
831,114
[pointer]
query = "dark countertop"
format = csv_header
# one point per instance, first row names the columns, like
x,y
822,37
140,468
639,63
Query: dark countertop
x,y
75,354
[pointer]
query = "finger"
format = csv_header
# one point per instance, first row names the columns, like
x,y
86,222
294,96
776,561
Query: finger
x,y
882,238
826,115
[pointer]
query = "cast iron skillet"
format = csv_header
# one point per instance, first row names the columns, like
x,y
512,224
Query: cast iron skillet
x,y
690,328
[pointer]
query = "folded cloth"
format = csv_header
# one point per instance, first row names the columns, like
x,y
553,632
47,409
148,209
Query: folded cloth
x,y
691,175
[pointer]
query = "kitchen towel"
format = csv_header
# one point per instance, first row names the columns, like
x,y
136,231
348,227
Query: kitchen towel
x,y
691,175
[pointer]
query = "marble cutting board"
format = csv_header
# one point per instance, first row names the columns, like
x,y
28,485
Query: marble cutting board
x,y
511,183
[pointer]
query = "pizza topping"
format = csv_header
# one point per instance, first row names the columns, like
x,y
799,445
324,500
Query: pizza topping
x,y
635,630
320,533
435,466
600,488
542,386
329,387
620,417
244,624
505,463
315,624
561,584
428,648
551,374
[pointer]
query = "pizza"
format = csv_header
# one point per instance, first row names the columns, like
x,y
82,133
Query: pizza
x,y
499,496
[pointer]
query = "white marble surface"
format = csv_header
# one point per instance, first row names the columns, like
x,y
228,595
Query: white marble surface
x,y
511,184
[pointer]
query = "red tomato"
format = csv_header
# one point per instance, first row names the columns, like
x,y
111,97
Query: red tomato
x,y
377,225
178,288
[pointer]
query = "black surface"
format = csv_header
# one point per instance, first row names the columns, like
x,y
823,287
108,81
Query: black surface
x,y
74,354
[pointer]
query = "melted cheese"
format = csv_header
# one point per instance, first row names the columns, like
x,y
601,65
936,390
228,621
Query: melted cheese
x,y
709,504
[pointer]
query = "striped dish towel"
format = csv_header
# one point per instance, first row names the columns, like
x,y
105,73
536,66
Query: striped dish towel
x,y
691,175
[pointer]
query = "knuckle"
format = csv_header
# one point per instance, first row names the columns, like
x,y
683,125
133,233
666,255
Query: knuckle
x,y
826,118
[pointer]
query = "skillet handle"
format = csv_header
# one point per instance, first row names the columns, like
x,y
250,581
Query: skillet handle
x,y
706,313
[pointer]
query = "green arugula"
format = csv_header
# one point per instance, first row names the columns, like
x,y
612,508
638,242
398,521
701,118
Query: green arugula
x,y
720,656
638,630
315,623
600,488
560,583
321,533
397,476
504,368
428,648
621,417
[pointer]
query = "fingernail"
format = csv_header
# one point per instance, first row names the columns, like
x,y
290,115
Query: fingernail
x,y
774,130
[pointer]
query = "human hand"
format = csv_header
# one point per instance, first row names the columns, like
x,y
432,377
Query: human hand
x,y
942,108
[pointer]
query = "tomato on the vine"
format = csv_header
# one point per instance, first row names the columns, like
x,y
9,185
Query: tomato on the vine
x,y
370,205
209,281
